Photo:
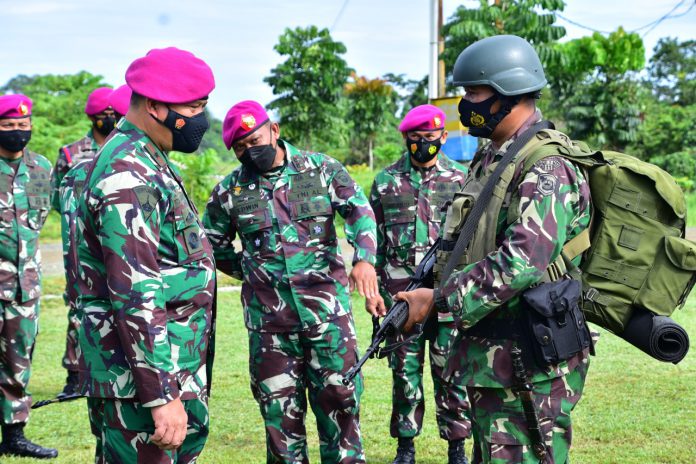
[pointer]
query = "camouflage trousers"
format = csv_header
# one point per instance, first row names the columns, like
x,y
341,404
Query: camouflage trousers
x,y
18,329
123,429
70,361
282,366
408,405
500,424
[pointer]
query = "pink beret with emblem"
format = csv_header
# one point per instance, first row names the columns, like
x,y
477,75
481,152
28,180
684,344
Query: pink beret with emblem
x,y
120,99
241,120
423,117
98,100
15,106
170,75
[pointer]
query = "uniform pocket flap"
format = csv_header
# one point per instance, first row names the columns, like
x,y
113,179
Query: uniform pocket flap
x,y
258,220
681,252
319,206
399,216
553,297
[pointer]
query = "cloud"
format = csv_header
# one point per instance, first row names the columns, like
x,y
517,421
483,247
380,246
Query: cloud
x,y
37,8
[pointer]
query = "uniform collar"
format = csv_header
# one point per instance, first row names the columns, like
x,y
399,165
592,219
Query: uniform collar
x,y
155,153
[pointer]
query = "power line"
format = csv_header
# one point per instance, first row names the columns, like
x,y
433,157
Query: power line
x,y
338,16
651,25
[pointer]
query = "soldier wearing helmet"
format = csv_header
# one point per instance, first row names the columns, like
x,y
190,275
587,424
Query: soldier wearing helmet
x,y
536,210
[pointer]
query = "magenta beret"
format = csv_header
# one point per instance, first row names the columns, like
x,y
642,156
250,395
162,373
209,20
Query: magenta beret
x,y
15,106
423,117
170,75
241,120
120,99
98,100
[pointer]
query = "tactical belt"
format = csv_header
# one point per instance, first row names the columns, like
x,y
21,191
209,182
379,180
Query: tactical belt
x,y
496,328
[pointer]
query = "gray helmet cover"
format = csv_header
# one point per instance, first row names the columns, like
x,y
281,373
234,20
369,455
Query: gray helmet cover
x,y
507,63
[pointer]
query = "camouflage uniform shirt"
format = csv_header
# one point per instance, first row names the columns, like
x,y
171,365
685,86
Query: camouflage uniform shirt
x,y
24,205
294,275
554,206
408,204
146,277
68,156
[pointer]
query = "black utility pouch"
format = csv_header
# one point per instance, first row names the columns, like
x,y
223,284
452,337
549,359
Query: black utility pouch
x,y
557,326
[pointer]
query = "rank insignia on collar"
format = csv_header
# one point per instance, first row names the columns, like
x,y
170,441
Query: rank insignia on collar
x,y
237,190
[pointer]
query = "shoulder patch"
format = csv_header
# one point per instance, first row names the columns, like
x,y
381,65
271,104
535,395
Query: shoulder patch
x,y
548,165
147,198
340,175
546,184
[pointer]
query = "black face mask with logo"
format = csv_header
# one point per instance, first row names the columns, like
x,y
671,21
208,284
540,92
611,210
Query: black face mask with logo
x,y
259,158
477,116
14,140
104,125
423,150
187,132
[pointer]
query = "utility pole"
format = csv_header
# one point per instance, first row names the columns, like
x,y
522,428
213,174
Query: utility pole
x,y
436,78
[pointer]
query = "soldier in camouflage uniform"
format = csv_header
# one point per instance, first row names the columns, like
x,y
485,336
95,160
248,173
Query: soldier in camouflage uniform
x,y
281,202
407,198
544,208
118,102
24,205
146,273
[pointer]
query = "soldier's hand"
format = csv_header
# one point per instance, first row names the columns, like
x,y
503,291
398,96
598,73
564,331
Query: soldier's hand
x,y
170,425
420,303
375,306
364,278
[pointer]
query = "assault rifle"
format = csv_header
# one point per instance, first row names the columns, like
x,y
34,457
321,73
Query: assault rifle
x,y
396,317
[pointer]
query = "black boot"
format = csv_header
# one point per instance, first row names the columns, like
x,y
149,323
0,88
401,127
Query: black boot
x,y
405,452
70,387
14,443
455,454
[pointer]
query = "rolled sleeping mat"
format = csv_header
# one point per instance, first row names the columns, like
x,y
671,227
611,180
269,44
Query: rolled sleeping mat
x,y
658,336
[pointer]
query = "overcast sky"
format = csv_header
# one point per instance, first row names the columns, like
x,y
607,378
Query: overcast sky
x,y
236,37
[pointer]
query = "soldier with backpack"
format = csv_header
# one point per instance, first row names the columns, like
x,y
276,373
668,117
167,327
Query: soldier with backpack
x,y
503,271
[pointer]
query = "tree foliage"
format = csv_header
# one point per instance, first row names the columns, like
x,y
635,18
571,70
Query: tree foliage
x,y
533,20
309,85
58,115
372,103
672,71
596,93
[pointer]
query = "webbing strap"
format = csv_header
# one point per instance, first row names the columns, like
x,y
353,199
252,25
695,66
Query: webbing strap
x,y
577,245
474,217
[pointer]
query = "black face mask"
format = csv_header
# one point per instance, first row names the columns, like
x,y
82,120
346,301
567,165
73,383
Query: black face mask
x,y
477,116
105,125
14,140
423,150
259,158
187,133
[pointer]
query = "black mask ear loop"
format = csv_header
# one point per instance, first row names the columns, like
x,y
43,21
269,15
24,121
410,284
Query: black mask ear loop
x,y
506,105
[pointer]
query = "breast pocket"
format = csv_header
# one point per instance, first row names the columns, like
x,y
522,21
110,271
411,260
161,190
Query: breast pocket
x,y
313,219
39,206
189,237
256,231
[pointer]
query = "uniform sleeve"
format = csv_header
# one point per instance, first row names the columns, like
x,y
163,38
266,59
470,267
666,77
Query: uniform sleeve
x,y
349,200
129,217
57,177
221,232
554,205
376,205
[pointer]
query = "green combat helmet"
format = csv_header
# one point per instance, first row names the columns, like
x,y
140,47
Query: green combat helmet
x,y
507,63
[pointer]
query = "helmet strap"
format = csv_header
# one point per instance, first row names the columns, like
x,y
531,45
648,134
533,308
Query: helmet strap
x,y
506,105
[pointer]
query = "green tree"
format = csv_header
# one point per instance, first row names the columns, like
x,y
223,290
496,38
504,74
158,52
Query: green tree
x,y
531,19
198,173
309,85
59,101
672,71
410,92
372,102
598,95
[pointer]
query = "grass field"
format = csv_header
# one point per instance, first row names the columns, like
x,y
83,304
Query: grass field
x,y
635,409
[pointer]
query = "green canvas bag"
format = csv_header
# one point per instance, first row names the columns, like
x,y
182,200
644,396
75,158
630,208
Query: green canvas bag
x,y
638,256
